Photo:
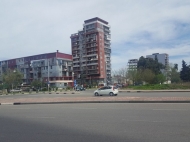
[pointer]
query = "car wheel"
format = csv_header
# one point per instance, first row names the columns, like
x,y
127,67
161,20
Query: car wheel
x,y
111,94
115,94
96,94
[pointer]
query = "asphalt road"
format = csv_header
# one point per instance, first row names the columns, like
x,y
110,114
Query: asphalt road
x,y
89,93
95,123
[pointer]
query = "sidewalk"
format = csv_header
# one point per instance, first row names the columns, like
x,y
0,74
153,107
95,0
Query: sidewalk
x,y
176,90
100,99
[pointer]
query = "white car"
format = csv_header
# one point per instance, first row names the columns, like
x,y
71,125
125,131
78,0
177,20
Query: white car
x,y
106,90
16,91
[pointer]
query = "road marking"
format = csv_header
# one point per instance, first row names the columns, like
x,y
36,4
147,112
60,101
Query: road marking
x,y
20,108
83,108
172,109
143,121
7,103
43,117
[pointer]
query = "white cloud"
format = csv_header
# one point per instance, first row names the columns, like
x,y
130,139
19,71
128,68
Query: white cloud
x,y
35,27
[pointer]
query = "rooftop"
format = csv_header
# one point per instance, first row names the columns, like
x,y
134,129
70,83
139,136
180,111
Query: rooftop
x,y
95,19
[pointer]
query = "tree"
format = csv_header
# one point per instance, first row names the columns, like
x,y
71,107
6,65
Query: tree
x,y
120,75
185,72
148,76
123,73
176,67
160,78
173,73
151,64
36,83
132,74
12,78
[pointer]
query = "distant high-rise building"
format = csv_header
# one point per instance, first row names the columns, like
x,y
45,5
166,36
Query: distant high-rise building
x,y
132,64
162,58
91,52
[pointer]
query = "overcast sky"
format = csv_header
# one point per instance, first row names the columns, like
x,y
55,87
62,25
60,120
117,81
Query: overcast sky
x,y
138,27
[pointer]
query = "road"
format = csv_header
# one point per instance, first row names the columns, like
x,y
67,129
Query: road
x,y
89,93
95,123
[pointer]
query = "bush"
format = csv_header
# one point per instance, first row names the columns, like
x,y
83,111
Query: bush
x,y
69,88
50,89
44,89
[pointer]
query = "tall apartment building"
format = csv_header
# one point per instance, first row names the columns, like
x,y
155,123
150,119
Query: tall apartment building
x,y
91,52
55,68
162,58
132,64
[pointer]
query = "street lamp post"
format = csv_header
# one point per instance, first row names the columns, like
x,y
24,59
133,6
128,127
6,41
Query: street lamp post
x,y
48,74
90,79
13,79
73,78
3,87
106,73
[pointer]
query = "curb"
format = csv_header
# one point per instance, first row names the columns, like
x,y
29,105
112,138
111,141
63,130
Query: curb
x,y
150,91
71,102
43,93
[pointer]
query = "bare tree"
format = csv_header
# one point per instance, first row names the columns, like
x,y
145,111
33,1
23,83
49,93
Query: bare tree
x,y
123,74
132,75
120,75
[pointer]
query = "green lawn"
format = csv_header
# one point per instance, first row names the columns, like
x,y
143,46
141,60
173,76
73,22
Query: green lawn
x,y
160,86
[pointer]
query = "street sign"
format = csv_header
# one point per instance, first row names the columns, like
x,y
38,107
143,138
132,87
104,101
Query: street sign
x,y
75,82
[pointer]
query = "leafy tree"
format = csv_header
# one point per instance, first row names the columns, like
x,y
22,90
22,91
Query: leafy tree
x,y
160,78
37,84
176,67
175,77
151,64
12,78
139,76
173,73
185,72
148,76
145,75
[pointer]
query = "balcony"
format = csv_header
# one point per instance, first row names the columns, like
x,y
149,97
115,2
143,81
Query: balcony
x,y
107,37
89,64
93,59
76,61
91,46
75,57
91,41
93,72
89,55
76,65
108,43
108,68
75,49
88,51
107,30
76,69
69,64
69,70
83,65
93,69
106,46
107,51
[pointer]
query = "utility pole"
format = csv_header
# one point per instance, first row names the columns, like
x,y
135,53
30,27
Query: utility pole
x,y
48,74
